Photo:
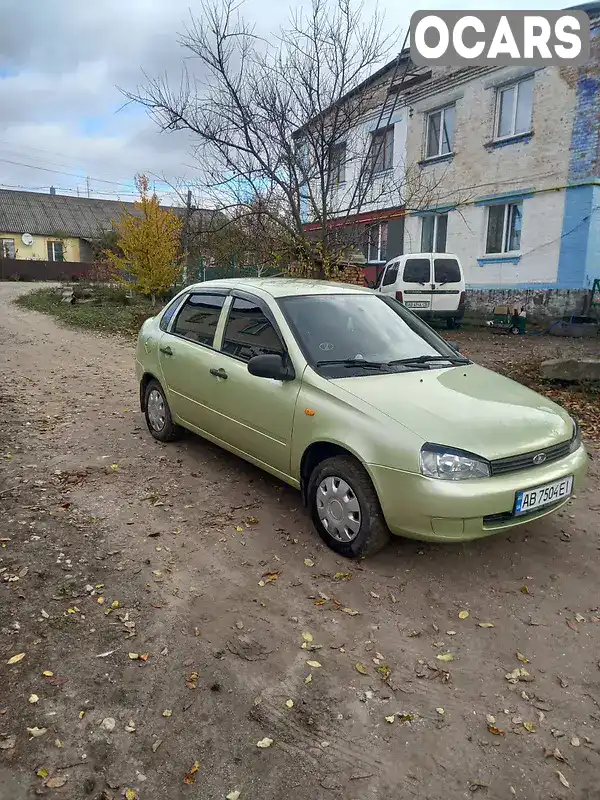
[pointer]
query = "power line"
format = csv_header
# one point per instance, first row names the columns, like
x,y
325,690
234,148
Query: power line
x,y
61,172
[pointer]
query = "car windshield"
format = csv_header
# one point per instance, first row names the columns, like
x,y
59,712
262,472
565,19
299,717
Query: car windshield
x,y
342,330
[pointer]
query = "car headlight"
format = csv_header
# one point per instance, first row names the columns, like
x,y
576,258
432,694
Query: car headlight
x,y
449,464
576,438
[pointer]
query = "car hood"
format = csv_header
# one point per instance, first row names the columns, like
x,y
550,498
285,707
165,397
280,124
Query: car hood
x,y
467,407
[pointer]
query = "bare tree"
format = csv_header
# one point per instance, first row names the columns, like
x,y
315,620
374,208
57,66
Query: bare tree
x,y
275,123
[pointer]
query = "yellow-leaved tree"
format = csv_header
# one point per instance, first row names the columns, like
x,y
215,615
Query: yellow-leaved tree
x,y
150,243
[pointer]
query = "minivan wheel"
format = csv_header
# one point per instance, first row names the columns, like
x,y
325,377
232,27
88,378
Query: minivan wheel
x,y
453,323
158,414
345,508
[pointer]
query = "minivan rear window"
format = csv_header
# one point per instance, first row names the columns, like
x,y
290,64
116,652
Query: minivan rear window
x,y
446,270
417,270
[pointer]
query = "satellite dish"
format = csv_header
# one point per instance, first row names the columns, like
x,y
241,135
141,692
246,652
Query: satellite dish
x,y
27,239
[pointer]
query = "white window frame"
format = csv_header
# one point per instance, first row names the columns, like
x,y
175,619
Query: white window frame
x,y
52,243
4,244
337,169
442,113
381,150
379,259
516,86
506,219
436,219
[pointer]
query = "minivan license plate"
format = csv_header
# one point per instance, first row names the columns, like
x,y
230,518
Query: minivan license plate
x,y
417,304
530,499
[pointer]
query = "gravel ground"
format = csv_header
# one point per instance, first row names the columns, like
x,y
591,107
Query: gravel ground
x,y
131,579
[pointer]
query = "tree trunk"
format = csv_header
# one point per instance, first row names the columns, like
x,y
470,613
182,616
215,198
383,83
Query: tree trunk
x,y
153,300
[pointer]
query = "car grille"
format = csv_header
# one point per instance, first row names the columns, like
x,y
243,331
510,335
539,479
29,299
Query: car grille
x,y
502,466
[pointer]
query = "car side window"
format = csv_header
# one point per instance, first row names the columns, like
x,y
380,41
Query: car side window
x,y
168,313
198,318
249,333
391,274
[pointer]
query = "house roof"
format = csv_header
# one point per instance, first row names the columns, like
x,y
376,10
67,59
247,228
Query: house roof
x,y
57,214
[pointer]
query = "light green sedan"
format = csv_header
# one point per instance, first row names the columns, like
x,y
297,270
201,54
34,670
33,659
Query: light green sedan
x,y
352,399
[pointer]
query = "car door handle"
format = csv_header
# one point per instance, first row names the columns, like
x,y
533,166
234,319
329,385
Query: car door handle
x,y
166,350
219,373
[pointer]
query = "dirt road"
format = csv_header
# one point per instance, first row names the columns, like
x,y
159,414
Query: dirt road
x,y
114,546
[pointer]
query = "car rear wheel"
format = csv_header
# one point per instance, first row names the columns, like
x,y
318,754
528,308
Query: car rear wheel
x,y
345,508
158,414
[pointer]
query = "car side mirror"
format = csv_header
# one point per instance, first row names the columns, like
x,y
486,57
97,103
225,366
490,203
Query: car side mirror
x,y
270,365
454,345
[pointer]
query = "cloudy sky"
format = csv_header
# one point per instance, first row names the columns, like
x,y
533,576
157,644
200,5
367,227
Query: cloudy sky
x,y
62,61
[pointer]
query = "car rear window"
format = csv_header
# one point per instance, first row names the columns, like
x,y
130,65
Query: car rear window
x,y
446,270
417,270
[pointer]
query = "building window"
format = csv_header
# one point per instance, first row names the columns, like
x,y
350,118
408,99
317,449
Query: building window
x,y
434,228
504,228
377,242
55,251
7,248
382,149
514,108
440,132
337,164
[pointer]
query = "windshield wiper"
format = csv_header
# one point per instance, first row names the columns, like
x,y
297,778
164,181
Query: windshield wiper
x,y
428,359
352,362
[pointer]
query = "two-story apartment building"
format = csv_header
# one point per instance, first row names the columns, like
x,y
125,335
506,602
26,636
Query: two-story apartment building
x,y
500,166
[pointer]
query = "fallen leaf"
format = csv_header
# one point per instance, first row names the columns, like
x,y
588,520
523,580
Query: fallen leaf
x,y
342,576
445,657
192,680
33,698
263,743
572,625
463,614
130,794
307,637
47,673
375,595
233,795
391,719
100,600
562,779
575,741
58,743
313,664
167,712
81,714
495,731
289,703
516,675
130,728
320,602
144,656
486,625
308,562
134,656
350,611
16,659
525,590
114,467
56,782
42,773
529,726
239,529
441,711
408,717
308,679
522,658
384,671
490,719
361,668
555,754
36,732
269,577
190,777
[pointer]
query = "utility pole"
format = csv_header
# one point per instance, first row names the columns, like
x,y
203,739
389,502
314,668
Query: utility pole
x,y
186,234
87,183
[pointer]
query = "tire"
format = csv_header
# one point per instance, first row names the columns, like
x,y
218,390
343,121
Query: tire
x,y
161,426
453,323
345,474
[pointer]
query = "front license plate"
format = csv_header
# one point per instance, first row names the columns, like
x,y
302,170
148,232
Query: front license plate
x,y
530,499
417,304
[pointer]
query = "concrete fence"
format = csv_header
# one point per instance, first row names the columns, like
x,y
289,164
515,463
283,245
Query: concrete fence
x,y
15,269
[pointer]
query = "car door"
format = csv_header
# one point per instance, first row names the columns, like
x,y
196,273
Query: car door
x,y
447,283
186,357
254,415
416,283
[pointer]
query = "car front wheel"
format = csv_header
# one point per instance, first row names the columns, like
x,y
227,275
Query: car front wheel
x,y
158,414
345,508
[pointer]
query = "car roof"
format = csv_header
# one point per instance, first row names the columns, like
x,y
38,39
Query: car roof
x,y
283,287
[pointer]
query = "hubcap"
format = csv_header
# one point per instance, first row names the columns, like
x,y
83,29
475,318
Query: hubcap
x,y
338,509
157,414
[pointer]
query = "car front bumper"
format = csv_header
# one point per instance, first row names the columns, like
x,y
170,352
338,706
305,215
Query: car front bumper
x,y
456,511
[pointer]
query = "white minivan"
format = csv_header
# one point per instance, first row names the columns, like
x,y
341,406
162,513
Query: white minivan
x,y
430,284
